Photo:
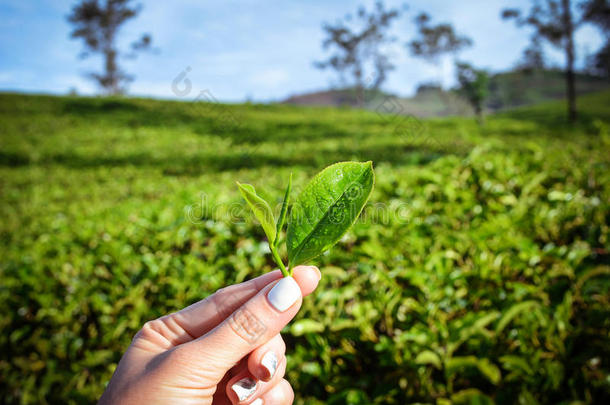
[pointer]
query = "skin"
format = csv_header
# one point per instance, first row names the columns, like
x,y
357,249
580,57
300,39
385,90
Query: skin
x,y
196,354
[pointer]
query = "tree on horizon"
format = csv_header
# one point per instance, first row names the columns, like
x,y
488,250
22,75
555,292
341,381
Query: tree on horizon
x,y
474,86
597,12
98,24
433,42
358,47
554,22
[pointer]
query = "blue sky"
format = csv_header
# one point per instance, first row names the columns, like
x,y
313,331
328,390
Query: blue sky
x,y
247,49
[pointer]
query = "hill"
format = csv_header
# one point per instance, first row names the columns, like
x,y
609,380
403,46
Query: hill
x,y
506,90
478,272
426,103
518,88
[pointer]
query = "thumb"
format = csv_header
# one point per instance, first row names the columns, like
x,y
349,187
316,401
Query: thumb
x,y
254,323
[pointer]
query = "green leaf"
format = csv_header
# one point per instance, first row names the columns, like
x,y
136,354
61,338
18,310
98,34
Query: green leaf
x,y
516,364
429,357
477,328
262,210
513,312
326,208
471,396
282,219
486,367
527,398
489,370
303,326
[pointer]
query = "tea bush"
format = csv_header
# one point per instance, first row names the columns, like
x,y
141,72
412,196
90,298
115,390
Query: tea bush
x,y
478,272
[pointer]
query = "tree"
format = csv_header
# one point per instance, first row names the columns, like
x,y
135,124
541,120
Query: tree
x,y
533,57
98,23
552,20
599,64
358,46
435,41
474,86
597,12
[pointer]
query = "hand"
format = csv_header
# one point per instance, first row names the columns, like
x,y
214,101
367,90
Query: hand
x,y
225,349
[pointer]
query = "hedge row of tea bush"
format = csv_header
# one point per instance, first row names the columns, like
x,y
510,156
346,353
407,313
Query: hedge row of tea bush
x,y
478,273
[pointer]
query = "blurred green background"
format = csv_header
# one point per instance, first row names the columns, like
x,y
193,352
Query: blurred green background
x,y
479,271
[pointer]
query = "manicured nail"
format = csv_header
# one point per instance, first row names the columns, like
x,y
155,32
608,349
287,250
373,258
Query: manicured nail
x,y
257,401
285,293
244,388
269,361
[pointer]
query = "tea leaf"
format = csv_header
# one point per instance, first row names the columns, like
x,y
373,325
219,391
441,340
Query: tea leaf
x,y
326,208
262,210
513,312
516,364
486,367
429,357
282,219
304,326
471,396
490,370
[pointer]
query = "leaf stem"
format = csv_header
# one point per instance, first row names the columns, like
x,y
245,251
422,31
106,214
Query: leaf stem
x,y
278,260
274,244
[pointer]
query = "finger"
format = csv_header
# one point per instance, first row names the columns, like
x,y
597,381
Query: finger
x,y
197,319
202,316
220,396
245,388
279,394
254,323
264,360
307,277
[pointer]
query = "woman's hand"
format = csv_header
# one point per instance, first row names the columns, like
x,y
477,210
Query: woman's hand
x,y
225,349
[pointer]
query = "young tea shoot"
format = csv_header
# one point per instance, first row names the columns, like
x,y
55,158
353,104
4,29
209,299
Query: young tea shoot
x,y
324,211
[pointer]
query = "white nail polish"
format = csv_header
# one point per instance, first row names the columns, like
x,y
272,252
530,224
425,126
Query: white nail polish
x,y
269,361
285,293
257,401
244,388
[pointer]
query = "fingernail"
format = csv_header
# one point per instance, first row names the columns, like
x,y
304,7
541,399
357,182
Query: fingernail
x,y
317,272
285,293
269,361
257,401
244,388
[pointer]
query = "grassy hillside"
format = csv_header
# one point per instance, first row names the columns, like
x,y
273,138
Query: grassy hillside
x,y
506,90
518,88
479,271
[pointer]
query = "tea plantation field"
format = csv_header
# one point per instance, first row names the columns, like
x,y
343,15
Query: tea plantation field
x,y
479,273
